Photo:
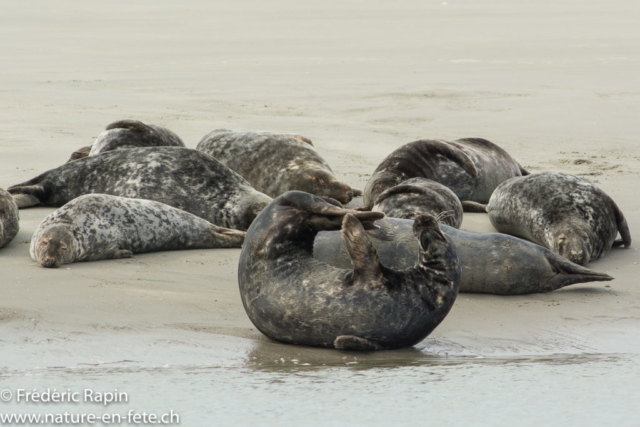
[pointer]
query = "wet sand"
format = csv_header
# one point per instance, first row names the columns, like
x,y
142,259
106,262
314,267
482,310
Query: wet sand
x,y
556,84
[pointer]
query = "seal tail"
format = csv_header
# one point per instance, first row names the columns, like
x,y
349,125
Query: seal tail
x,y
569,273
428,147
353,343
469,206
623,228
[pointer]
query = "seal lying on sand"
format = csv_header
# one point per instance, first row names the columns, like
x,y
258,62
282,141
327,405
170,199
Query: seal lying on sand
x,y
419,196
129,134
565,213
180,177
491,263
293,298
9,218
99,226
276,163
470,167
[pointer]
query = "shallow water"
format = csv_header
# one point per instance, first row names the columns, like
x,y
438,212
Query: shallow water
x,y
284,385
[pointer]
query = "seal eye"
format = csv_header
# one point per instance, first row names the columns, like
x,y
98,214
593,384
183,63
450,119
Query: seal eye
x,y
43,244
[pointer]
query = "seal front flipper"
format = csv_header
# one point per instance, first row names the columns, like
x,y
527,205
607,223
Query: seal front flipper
x,y
623,228
353,343
28,195
569,273
431,146
364,258
469,206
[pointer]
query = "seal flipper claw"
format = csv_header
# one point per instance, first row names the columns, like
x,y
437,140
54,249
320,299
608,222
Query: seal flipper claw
x,y
364,258
469,206
353,343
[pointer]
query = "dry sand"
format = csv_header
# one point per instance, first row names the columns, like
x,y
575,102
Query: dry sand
x,y
556,83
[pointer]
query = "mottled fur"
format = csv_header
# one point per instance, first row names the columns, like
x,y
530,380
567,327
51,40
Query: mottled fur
x,y
293,298
419,196
470,167
9,218
276,163
180,177
491,263
562,212
100,226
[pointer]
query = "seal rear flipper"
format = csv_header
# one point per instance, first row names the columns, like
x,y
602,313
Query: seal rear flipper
x,y
364,257
133,125
80,153
353,343
453,153
27,196
623,228
569,273
469,206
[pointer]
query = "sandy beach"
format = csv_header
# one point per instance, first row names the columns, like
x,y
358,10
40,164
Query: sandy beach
x,y
555,83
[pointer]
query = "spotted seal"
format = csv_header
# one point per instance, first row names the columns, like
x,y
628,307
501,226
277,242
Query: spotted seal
x,y
419,196
491,263
129,134
180,177
9,218
99,226
562,212
293,298
276,163
470,167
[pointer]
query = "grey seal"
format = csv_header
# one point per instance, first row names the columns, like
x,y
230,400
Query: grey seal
x,y
562,212
180,177
276,163
99,226
129,134
293,298
491,263
419,196
9,218
470,167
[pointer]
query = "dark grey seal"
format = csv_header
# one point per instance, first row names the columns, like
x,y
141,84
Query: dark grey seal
x,y
419,196
180,177
293,298
470,167
276,163
129,134
491,263
100,226
9,218
562,212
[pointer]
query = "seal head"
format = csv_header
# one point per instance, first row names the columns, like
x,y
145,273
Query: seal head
x,y
55,246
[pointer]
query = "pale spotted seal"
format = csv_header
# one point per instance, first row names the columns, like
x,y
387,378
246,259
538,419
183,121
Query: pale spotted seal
x,y
419,196
180,177
9,218
100,226
129,134
276,163
562,212
470,167
491,263
293,298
